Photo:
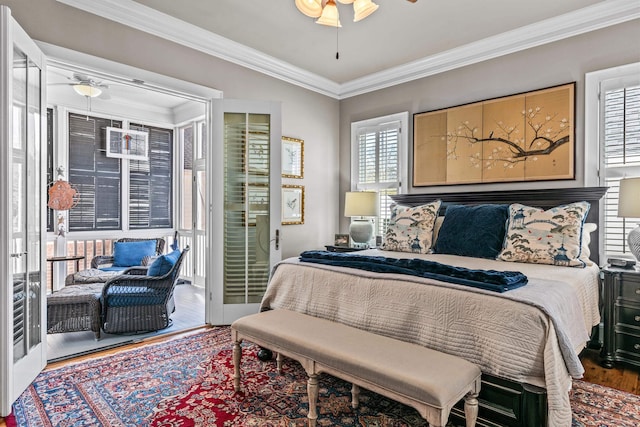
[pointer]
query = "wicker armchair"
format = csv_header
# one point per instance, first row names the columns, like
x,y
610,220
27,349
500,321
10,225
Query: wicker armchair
x,y
99,260
136,303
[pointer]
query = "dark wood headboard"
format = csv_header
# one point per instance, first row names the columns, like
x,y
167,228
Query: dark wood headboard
x,y
540,198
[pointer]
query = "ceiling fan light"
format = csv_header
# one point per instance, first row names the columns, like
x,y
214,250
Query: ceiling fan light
x,y
346,1
311,8
362,9
329,15
87,90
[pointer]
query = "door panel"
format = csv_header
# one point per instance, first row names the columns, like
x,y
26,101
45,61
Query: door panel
x,y
247,164
22,329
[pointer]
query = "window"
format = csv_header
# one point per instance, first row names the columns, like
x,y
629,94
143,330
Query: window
x,y
96,176
617,129
150,182
98,179
378,160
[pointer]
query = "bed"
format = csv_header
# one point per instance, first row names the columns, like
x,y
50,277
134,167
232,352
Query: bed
x,y
525,340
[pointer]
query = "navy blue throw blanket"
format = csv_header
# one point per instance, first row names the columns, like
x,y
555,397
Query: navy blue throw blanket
x,y
492,280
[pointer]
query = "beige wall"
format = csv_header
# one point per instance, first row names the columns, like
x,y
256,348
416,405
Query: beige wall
x,y
305,114
549,65
324,123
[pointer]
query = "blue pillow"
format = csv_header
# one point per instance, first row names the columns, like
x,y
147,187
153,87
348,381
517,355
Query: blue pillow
x,y
129,254
163,264
474,231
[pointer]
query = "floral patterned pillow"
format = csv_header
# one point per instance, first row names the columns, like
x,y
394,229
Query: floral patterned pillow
x,y
552,237
411,228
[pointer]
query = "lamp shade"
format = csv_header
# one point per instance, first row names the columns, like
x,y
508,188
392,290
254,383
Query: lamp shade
x,y
362,9
87,90
311,8
629,198
329,15
360,203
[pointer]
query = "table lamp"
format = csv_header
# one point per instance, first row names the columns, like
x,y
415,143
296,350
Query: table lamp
x,y
361,204
629,207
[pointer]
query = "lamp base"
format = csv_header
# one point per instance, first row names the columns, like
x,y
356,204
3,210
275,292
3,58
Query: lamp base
x,y
361,232
634,242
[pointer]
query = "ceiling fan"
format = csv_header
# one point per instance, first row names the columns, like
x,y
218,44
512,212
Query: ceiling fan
x,y
86,86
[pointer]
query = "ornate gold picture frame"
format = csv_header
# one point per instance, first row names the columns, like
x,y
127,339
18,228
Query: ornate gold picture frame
x,y
292,157
292,204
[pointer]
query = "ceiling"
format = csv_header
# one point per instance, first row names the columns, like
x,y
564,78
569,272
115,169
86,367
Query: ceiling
x,y
116,91
401,41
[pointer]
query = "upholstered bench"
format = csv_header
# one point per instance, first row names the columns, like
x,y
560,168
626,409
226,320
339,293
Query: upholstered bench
x,y
75,308
428,380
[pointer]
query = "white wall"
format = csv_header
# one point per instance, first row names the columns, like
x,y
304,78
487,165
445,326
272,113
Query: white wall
x,y
305,115
544,66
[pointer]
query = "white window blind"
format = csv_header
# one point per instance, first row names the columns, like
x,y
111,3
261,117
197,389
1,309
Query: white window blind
x,y
377,161
620,154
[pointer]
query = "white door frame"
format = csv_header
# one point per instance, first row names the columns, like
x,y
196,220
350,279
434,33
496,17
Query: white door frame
x,y
15,376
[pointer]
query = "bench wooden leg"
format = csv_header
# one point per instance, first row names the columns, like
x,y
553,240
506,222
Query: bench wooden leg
x,y
237,356
312,393
355,396
471,409
279,363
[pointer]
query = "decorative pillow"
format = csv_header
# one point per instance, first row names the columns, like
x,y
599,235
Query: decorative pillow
x,y
474,231
129,254
411,228
163,264
585,253
436,228
545,237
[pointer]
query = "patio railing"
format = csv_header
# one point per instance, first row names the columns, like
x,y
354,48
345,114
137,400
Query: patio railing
x,y
93,244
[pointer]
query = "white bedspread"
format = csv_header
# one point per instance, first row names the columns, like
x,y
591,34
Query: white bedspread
x,y
532,334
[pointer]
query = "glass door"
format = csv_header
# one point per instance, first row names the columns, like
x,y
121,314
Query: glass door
x,y
22,120
247,243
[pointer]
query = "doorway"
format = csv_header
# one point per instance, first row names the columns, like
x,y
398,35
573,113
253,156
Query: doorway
x,y
129,100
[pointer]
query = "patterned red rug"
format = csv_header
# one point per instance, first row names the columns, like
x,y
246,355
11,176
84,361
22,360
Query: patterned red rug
x,y
187,382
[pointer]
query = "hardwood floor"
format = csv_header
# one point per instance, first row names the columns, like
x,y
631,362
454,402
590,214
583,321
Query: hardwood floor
x,y
620,377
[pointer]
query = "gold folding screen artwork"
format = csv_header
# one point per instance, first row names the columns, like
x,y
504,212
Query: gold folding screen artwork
x,y
523,137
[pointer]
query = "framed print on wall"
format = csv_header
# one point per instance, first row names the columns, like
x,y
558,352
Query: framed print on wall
x,y
292,157
524,137
292,204
127,144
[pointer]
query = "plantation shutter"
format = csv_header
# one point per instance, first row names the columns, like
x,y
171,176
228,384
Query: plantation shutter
x,y
50,176
96,177
378,166
620,133
150,182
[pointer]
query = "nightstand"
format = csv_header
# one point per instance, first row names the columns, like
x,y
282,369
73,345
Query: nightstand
x,y
621,316
332,248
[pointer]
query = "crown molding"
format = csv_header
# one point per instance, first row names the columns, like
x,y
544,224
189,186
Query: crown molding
x,y
143,18
600,15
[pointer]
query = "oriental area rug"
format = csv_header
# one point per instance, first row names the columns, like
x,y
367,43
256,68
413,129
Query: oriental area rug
x,y
187,382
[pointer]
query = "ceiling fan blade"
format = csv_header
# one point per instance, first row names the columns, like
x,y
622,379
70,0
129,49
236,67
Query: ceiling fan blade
x,y
80,77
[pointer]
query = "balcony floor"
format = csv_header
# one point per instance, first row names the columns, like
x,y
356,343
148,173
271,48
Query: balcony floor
x,y
189,314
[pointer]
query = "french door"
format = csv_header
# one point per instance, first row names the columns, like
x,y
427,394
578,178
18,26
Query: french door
x,y
245,181
22,143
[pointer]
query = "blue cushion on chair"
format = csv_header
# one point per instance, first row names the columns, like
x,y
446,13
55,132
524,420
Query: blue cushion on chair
x,y
163,264
129,254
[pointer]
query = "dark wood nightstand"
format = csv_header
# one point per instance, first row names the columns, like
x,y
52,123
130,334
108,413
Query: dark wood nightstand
x,y
332,248
621,316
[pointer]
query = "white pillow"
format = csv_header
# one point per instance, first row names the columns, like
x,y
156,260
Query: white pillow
x,y
585,253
